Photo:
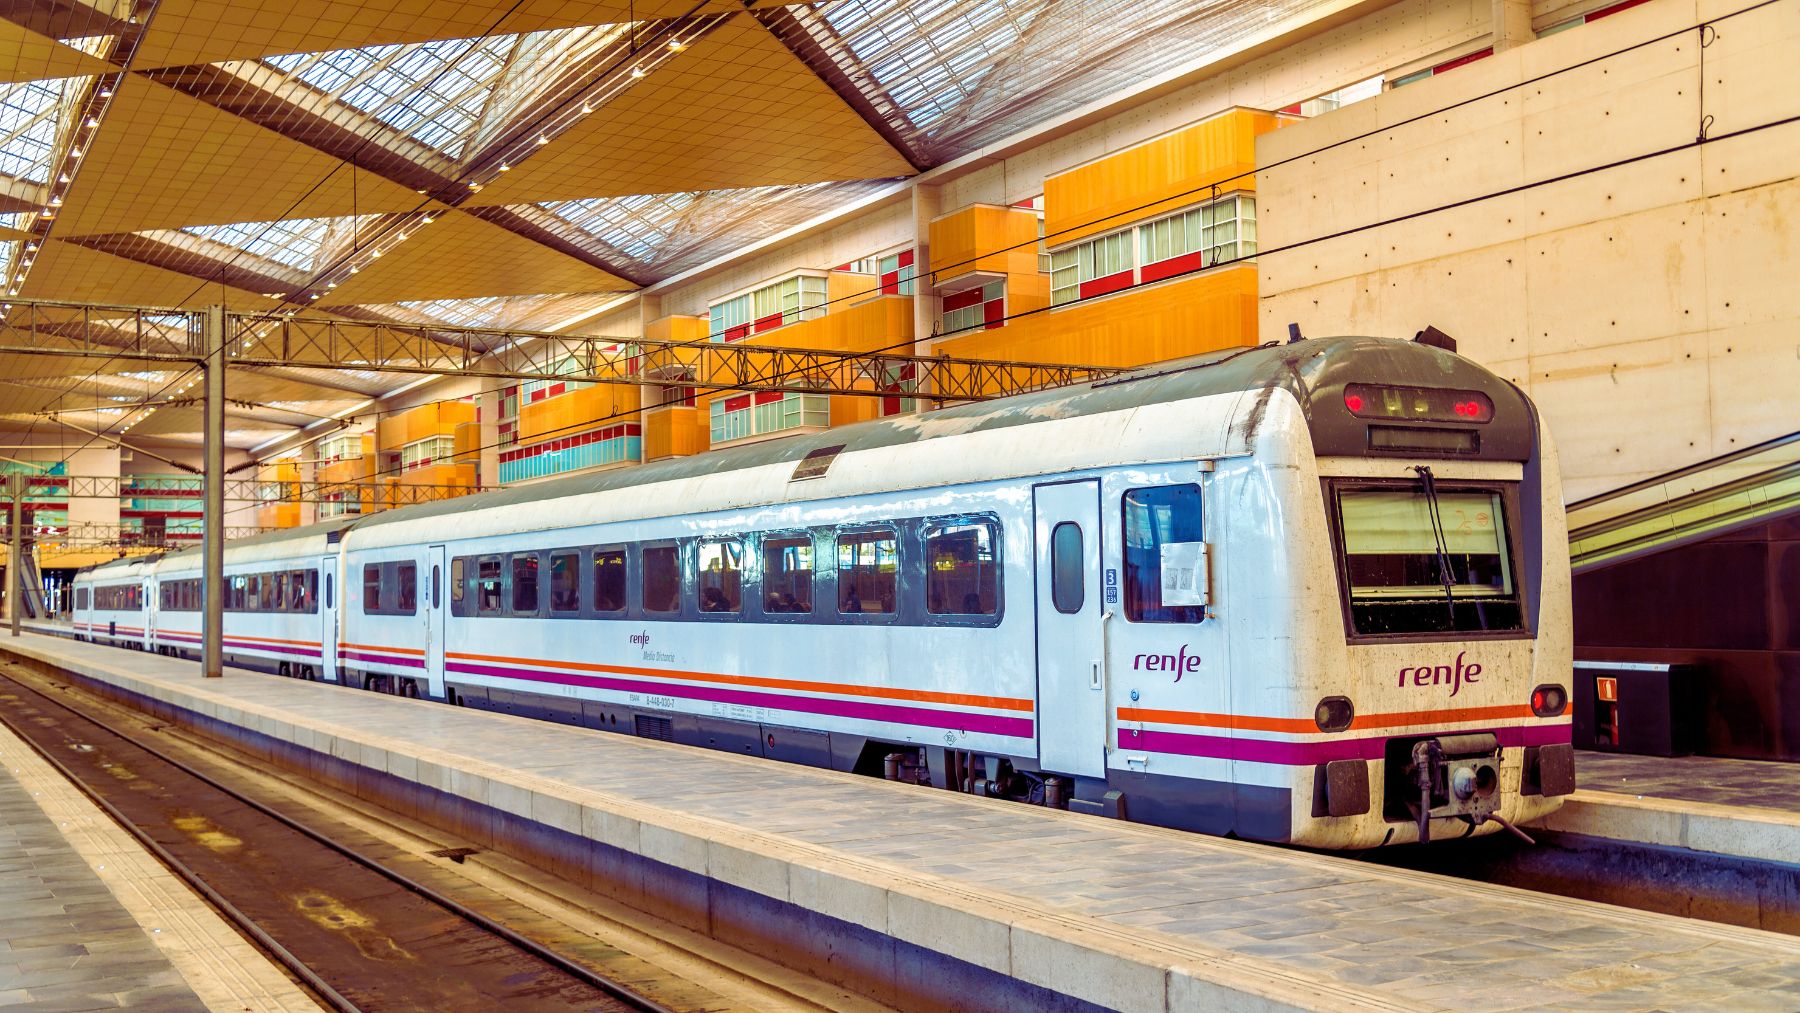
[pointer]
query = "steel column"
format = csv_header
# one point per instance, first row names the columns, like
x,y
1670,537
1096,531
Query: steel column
x,y
15,562
212,615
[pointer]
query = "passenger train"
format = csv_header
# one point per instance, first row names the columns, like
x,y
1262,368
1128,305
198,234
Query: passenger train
x,y
1314,593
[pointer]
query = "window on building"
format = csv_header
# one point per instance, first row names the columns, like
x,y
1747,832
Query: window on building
x,y
1214,233
525,583
1331,100
777,304
1590,16
962,573
371,588
896,273
1162,555
721,576
1093,268
431,450
1448,65
565,582
488,585
868,562
347,447
787,574
745,415
981,307
662,578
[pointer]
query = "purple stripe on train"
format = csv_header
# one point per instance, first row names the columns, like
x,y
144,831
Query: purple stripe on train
x,y
396,660
1303,753
921,716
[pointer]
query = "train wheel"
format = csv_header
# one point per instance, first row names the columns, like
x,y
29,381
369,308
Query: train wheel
x,y
409,689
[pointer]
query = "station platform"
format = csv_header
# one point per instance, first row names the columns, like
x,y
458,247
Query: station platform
x,y
924,899
90,920
1745,809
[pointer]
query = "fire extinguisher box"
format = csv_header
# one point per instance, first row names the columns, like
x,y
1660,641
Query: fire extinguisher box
x,y
1635,707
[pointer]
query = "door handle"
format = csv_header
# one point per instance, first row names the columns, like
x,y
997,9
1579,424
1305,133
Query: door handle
x,y
1094,676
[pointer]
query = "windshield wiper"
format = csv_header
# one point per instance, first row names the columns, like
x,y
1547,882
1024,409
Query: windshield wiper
x,y
1429,483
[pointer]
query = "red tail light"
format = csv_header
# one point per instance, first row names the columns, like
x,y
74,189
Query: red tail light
x,y
1549,701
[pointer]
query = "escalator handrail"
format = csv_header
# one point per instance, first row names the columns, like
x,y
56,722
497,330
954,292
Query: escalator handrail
x,y
1670,476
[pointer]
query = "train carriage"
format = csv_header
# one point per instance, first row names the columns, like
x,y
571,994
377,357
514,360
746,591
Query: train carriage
x,y
1314,593
112,603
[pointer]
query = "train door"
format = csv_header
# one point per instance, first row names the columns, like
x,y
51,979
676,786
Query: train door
x,y
151,605
436,604
328,618
1070,647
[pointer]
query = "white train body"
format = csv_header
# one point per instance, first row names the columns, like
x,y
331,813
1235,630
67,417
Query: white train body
x,y
1197,596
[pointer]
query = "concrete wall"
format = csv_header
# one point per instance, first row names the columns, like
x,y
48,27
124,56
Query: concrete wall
x,y
1650,309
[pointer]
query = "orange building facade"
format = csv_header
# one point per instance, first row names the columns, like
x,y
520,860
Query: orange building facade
x,y
1144,254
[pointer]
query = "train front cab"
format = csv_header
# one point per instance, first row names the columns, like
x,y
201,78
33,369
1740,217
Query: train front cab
x,y
1437,645
1422,562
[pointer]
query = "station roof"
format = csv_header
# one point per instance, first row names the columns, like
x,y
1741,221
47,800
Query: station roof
x,y
478,163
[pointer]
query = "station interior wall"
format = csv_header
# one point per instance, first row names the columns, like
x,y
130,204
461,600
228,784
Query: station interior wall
x,y
1648,308
1725,604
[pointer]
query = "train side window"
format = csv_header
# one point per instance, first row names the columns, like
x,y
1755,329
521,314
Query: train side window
x,y
525,583
371,588
1068,577
962,570
787,580
662,578
81,598
406,577
867,564
456,583
278,591
1162,527
721,576
311,599
609,580
252,592
565,582
487,585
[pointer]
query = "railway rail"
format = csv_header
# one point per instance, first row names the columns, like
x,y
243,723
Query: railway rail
x,y
360,934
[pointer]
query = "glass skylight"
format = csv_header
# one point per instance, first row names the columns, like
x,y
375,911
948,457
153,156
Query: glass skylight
x,y
951,75
29,118
451,95
512,312
302,245
659,235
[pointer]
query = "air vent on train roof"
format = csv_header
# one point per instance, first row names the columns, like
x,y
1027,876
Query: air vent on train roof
x,y
816,463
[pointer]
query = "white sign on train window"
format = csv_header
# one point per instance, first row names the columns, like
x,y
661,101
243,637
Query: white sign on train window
x,y
1184,573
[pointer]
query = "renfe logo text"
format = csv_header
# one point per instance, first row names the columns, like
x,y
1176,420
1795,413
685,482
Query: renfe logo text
x,y
1438,675
640,639
1180,663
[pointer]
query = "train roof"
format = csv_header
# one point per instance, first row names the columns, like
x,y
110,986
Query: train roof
x,y
1307,368
1304,368
285,543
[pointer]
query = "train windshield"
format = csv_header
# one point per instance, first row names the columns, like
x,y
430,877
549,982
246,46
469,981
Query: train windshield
x,y
1420,559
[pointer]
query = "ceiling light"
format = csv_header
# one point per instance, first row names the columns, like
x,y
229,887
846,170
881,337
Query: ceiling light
x,y
106,93
505,168
428,220
404,236
64,178
74,152
56,202
543,139
587,107
639,73
353,270
315,295
474,185
332,285
676,45
93,121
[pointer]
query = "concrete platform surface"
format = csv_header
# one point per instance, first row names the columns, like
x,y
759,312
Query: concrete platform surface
x,y
1739,808
89,920
1112,914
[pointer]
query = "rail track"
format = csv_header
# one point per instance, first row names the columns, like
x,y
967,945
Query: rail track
x,y
357,932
